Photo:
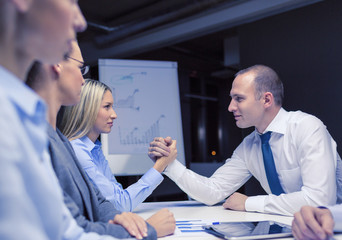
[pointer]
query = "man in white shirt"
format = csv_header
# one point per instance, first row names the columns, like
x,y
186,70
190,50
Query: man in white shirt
x,y
304,153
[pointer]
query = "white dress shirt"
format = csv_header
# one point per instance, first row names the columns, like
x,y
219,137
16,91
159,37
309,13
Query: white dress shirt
x,y
305,157
336,211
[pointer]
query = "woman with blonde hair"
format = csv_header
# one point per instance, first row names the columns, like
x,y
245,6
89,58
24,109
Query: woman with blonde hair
x,y
82,124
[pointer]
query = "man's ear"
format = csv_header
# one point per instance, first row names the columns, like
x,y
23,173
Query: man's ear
x,y
56,70
268,99
22,5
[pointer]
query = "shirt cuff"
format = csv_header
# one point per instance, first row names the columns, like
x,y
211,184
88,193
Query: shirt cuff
x,y
336,211
175,170
255,204
152,177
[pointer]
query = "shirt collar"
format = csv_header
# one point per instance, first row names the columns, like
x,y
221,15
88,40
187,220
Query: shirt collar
x,y
278,124
21,95
89,144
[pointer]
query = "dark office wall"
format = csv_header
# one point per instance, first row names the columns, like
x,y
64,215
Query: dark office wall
x,y
305,47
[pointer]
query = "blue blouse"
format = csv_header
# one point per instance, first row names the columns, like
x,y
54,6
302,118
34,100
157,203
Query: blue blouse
x,y
95,164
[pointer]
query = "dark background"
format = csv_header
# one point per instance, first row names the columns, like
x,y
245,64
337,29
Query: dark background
x,y
303,45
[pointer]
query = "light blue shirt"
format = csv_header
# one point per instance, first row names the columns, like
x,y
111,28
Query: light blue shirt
x,y
95,164
31,201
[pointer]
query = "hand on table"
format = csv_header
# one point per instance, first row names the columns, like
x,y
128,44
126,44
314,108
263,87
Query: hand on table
x,y
133,223
163,221
236,201
312,223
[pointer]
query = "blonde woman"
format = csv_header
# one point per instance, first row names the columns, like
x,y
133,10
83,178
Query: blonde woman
x,y
82,124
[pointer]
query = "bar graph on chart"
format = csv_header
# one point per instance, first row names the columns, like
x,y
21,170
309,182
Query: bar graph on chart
x,y
138,137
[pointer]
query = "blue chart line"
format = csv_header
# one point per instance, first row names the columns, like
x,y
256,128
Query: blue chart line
x,y
128,102
125,79
133,137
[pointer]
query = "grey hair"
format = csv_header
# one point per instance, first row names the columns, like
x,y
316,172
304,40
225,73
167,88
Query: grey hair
x,y
266,80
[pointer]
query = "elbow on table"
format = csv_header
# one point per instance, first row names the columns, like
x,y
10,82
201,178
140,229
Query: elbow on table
x,y
210,202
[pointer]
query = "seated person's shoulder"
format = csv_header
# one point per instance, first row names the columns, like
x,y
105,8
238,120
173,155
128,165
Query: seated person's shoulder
x,y
304,120
80,147
303,126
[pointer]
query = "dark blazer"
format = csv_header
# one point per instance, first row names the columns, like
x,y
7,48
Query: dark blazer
x,y
85,202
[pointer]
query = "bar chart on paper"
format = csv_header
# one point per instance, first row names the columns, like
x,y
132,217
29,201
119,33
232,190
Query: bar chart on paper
x,y
146,100
134,136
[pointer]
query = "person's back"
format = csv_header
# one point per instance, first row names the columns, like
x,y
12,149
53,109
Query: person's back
x,y
23,165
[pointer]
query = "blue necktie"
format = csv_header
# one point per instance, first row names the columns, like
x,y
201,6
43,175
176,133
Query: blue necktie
x,y
275,228
271,172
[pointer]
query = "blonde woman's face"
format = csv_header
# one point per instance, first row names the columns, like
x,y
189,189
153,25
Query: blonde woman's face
x,y
105,116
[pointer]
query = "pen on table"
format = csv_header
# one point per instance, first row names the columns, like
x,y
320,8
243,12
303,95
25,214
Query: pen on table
x,y
216,223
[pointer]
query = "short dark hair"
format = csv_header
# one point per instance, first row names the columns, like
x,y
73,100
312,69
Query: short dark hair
x,y
32,75
266,80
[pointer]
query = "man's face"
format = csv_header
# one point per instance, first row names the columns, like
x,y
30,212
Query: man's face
x,y
247,110
50,27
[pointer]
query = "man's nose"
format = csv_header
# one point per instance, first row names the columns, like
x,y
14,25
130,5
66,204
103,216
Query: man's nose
x,y
231,106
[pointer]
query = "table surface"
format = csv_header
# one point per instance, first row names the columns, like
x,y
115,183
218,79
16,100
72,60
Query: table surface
x,y
192,210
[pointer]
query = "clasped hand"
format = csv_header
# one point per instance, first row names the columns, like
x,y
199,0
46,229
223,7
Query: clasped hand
x,y
162,151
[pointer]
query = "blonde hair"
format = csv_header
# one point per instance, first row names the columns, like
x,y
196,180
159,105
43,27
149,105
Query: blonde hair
x,y
79,119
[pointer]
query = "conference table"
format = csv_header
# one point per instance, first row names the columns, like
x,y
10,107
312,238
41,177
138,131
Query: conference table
x,y
198,212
